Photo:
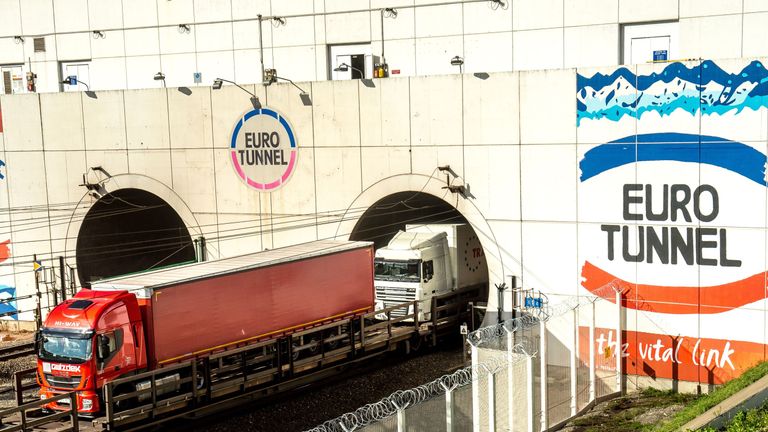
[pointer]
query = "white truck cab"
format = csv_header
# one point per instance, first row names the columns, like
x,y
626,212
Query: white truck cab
x,y
426,261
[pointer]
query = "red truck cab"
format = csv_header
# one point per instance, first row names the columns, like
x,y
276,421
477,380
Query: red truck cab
x,y
94,337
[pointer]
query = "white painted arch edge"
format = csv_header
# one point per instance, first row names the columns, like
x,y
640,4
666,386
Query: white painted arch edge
x,y
497,273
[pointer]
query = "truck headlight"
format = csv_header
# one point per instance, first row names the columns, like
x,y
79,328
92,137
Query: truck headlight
x,y
42,397
87,404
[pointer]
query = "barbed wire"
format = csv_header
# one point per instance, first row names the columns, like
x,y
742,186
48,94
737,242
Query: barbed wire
x,y
525,348
402,399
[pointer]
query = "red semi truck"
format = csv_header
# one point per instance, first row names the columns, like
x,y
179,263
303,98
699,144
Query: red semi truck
x,y
126,325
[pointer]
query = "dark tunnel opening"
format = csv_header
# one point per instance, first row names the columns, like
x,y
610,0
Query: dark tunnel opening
x,y
388,215
127,231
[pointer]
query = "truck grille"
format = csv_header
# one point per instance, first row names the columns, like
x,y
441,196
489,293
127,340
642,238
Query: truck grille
x,y
393,296
63,382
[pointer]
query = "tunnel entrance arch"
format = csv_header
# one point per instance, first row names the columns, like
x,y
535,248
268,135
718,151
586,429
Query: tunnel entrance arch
x,y
135,223
130,230
368,211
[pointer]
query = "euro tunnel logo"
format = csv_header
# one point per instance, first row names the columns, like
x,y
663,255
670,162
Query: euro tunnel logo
x,y
263,149
675,219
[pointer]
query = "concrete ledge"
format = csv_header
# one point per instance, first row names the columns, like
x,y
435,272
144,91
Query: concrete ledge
x,y
747,398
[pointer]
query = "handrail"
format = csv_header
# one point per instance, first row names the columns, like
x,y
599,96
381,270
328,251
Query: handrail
x,y
28,425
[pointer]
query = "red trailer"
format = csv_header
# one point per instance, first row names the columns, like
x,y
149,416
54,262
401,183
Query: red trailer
x,y
194,310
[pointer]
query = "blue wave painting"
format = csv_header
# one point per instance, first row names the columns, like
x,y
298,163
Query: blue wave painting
x,y
704,87
733,156
8,305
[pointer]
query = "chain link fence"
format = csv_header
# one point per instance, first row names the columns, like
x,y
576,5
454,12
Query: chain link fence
x,y
528,374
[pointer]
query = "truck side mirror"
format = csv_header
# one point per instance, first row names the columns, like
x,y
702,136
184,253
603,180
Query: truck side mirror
x,y
103,347
38,340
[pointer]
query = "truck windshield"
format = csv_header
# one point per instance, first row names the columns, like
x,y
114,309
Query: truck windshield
x,y
67,348
403,271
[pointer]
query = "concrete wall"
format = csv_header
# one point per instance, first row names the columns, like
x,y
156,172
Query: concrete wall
x,y
533,148
142,37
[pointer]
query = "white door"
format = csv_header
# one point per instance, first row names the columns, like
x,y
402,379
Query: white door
x,y
642,41
80,71
648,49
12,80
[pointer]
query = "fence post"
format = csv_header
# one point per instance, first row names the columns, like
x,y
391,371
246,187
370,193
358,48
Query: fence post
x,y
592,369
448,407
475,390
75,424
529,393
491,402
619,341
510,378
543,373
574,364
401,426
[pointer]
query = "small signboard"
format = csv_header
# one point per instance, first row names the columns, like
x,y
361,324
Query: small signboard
x,y
661,55
198,76
72,80
533,302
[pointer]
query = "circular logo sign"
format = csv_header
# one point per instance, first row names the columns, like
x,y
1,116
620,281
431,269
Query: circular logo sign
x,y
263,149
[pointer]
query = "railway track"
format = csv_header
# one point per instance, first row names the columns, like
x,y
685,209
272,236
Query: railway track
x,y
16,351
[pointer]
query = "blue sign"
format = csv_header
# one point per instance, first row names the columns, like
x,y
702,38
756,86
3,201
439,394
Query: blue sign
x,y
660,55
72,80
533,302
198,77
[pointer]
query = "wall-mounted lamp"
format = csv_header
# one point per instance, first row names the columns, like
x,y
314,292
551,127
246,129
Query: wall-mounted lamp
x,y
270,76
160,77
184,28
451,188
458,61
345,68
18,39
495,4
98,34
218,82
96,189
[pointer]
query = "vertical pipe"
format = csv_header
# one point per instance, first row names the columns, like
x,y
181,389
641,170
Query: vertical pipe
x,y
574,354
543,374
383,60
72,281
38,309
619,342
592,369
491,402
475,391
261,48
63,282
529,393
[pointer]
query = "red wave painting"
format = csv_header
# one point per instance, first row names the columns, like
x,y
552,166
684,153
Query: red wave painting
x,y
676,299
5,251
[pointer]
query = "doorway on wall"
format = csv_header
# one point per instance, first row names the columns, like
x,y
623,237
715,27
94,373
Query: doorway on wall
x,y
78,69
12,81
649,42
358,56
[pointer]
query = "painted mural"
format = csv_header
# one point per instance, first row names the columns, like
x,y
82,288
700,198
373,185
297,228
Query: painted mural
x,y
672,196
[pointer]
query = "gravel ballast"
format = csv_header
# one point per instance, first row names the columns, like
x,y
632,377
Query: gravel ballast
x,y
311,406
